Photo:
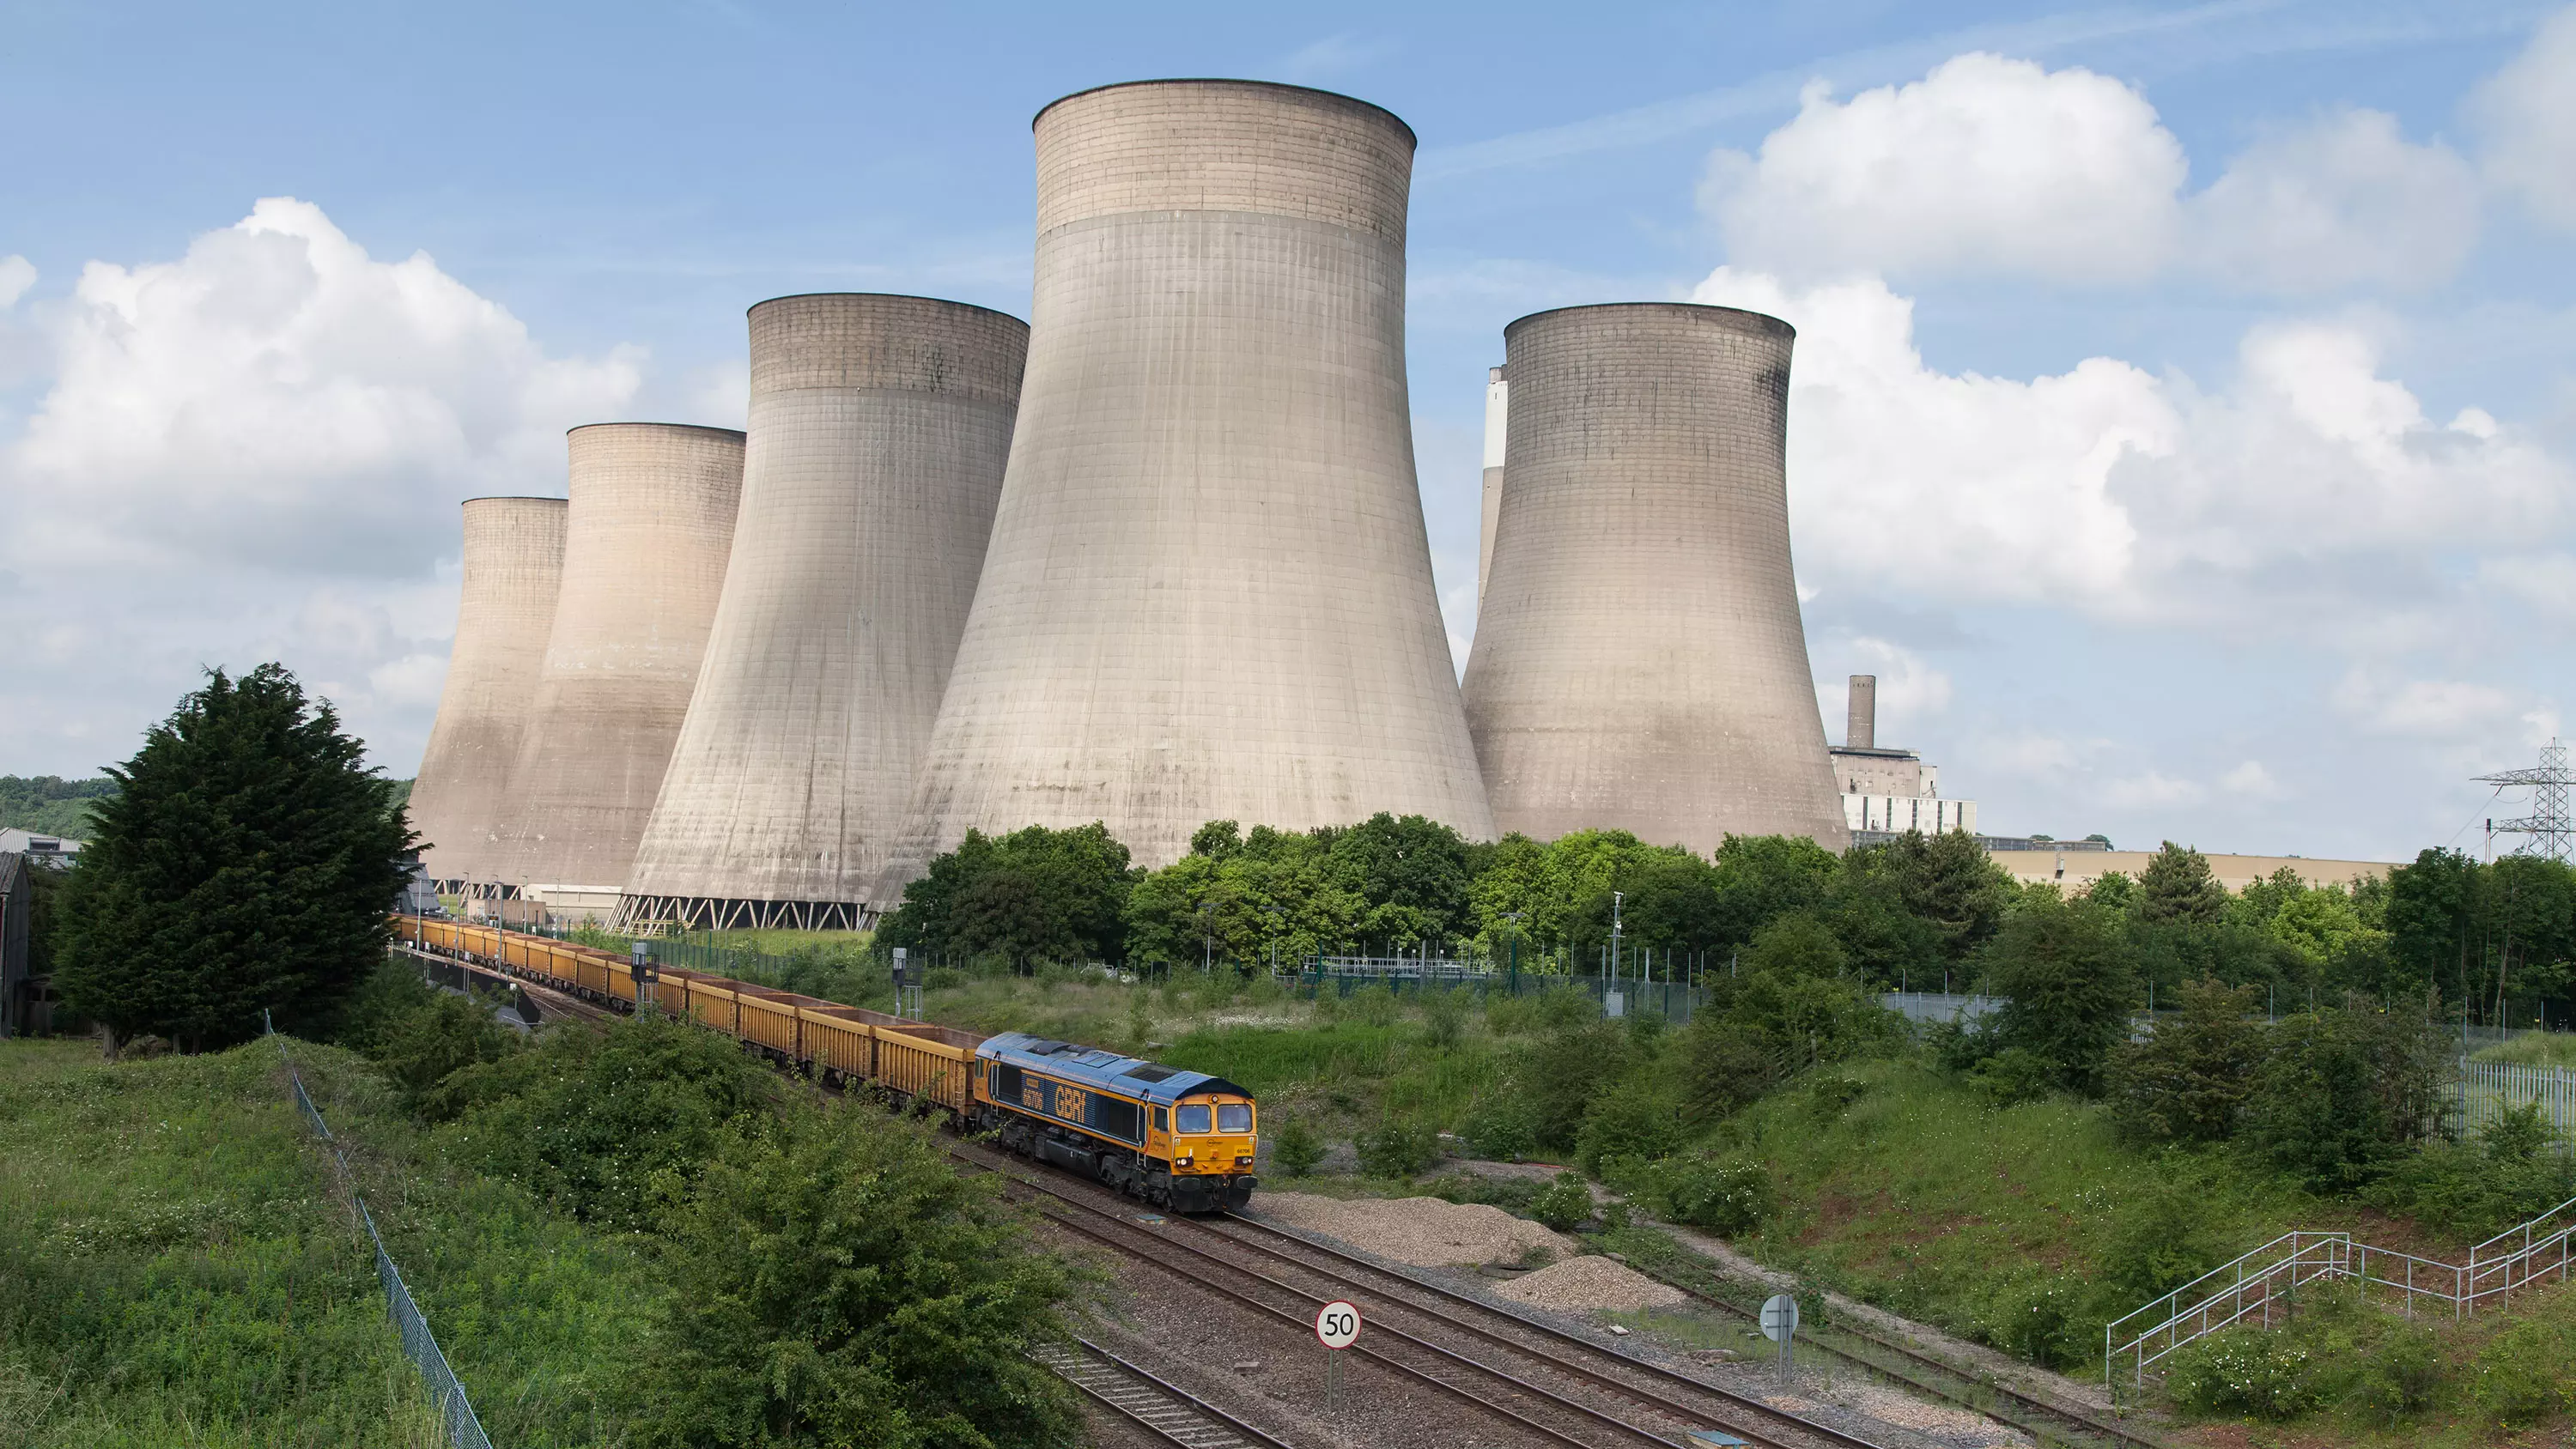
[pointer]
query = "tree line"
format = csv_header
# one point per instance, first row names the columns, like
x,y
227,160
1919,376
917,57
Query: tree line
x,y
1919,911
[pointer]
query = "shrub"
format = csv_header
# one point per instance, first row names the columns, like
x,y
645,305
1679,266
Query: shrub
x,y
2524,1375
2244,1371
1375,1004
2401,1380
2014,1075
2188,1081
2035,1319
1444,1017
1727,1198
2066,970
1499,1127
1512,1015
1295,1149
2159,1242
1627,1121
1564,1204
426,1046
1397,1148
2341,1092
1560,1075
1726,1065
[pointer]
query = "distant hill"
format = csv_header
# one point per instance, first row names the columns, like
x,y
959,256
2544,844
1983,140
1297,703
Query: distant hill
x,y
50,805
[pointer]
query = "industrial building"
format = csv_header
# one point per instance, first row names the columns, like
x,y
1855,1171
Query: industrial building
x,y
461,803
645,542
1888,792
1639,660
879,429
1209,587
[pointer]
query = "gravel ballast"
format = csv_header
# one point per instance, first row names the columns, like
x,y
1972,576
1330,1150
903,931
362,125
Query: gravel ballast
x,y
1591,1285
1423,1231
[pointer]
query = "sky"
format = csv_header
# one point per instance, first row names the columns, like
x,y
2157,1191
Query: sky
x,y
2182,423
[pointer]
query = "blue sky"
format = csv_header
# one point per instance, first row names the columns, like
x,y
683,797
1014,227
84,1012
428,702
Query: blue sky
x,y
2185,405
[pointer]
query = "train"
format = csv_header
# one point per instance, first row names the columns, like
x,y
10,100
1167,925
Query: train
x,y
1181,1140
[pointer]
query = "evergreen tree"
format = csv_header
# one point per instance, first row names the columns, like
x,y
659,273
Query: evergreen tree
x,y
247,861
2066,970
2177,886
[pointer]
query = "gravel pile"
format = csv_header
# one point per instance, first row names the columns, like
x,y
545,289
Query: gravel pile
x,y
1423,1231
1590,1284
1941,1421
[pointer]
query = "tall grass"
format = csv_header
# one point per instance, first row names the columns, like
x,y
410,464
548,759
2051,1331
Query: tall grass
x,y
2539,1049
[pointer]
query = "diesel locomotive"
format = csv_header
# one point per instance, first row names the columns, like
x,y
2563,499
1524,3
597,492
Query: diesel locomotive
x,y
1180,1140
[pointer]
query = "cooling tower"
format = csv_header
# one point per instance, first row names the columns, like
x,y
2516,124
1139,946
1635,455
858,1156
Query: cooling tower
x,y
1209,590
1639,661
514,549
1498,401
644,560
879,429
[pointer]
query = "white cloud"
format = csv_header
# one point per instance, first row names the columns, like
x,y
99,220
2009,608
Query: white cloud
x,y
2527,114
17,274
2340,201
278,395
1986,164
2251,781
2428,709
2308,483
1336,55
255,451
1995,165
2150,791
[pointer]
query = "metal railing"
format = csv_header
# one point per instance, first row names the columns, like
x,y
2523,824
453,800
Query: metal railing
x,y
456,1412
2263,1286
2484,1090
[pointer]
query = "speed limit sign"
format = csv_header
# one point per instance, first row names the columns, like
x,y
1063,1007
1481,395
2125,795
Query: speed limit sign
x,y
1337,1324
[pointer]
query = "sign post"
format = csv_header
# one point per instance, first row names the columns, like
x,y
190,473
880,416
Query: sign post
x,y
1337,1327
1780,1324
643,977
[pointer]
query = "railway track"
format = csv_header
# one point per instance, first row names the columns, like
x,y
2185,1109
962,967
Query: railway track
x,y
1536,1408
1165,1410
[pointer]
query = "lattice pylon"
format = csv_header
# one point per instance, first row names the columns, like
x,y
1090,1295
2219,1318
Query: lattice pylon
x,y
2553,834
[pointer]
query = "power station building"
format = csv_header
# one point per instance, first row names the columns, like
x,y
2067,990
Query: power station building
x,y
461,803
1640,662
1209,589
1885,792
879,429
645,542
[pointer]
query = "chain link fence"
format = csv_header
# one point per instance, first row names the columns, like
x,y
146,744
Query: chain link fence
x,y
455,1411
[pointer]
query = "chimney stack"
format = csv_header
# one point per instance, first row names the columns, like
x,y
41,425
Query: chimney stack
x,y
1860,725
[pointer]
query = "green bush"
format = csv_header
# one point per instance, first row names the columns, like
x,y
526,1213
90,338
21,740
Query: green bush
x,y
1499,1126
2244,1371
2035,1318
2400,1381
1512,1015
1511,1194
1727,1198
1444,1017
2524,1375
1633,1120
1397,1148
1564,1204
1375,1004
2013,1076
2161,1240
1295,1149
422,1050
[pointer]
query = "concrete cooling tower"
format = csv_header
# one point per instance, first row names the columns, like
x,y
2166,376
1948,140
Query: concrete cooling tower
x,y
514,551
1498,402
1639,661
1209,590
645,543
879,429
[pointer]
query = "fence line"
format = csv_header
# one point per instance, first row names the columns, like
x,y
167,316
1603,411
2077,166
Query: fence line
x,y
2485,1089
455,1411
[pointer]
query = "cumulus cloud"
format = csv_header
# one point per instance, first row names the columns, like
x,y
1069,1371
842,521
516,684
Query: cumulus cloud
x,y
17,274
1986,164
2151,791
2527,114
2338,202
2119,492
2251,781
1910,690
279,395
1994,165
255,451
2424,709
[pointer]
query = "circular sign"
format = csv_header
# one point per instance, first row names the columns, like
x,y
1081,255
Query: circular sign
x,y
1779,1317
1337,1324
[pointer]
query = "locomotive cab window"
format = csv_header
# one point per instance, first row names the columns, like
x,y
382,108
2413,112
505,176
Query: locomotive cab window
x,y
1193,1117
1233,1117
1162,1120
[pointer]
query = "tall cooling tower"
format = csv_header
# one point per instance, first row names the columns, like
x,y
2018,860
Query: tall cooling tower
x,y
1498,399
1639,661
514,549
644,560
1209,591
879,429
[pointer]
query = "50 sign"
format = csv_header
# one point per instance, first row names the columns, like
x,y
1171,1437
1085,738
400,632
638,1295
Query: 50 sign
x,y
1337,1324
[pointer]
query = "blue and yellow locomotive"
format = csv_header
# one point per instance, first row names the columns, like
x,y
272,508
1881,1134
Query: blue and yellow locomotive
x,y
1181,1140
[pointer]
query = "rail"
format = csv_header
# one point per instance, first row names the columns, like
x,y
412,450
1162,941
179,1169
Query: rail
x,y
2262,1286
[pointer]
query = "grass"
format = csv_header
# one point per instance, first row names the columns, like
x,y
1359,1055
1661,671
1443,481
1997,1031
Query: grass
x,y
2540,1049
177,1269
180,1268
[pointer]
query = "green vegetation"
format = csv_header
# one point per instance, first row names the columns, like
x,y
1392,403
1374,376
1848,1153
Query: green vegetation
x,y
51,805
245,864
2553,1049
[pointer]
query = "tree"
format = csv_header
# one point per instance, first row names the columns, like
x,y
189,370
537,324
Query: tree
x,y
1946,878
2064,967
2341,1093
2188,1081
845,1285
2177,886
247,861
1034,894
1761,878
1411,873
